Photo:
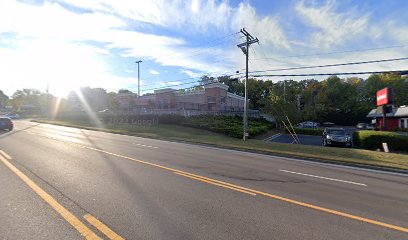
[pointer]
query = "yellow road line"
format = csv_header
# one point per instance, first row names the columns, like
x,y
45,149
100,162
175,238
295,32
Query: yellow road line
x,y
214,183
5,155
68,216
221,182
102,227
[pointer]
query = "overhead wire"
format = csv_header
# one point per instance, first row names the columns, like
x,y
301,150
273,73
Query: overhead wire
x,y
338,52
331,74
333,65
196,52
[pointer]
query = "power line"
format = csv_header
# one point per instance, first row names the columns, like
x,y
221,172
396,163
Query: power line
x,y
338,52
193,53
161,75
333,65
328,74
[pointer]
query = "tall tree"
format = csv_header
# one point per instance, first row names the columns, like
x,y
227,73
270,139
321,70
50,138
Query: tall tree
x,y
4,100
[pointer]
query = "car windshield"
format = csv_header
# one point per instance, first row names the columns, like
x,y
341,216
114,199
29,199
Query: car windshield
x,y
336,132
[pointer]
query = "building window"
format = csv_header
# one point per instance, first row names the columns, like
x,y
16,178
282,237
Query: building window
x,y
211,99
211,106
222,100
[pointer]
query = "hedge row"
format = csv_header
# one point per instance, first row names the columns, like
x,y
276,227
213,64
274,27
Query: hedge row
x,y
374,140
228,125
308,131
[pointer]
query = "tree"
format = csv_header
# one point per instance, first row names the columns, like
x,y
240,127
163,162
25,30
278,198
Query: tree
x,y
4,100
25,97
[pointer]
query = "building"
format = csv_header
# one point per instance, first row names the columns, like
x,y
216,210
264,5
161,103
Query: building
x,y
126,100
213,97
398,118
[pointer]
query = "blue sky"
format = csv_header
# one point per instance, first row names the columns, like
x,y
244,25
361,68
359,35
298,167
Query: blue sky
x,y
73,43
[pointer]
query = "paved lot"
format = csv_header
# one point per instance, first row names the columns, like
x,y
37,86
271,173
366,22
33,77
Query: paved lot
x,y
304,139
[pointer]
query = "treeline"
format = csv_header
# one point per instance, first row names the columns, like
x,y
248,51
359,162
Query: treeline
x,y
33,101
341,101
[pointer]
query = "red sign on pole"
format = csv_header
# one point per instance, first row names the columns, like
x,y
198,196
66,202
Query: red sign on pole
x,y
384,97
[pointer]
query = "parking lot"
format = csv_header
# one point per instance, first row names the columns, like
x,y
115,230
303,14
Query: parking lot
x,y
303,139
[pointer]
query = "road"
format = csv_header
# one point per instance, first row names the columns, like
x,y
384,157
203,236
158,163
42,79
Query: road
x,y
66,183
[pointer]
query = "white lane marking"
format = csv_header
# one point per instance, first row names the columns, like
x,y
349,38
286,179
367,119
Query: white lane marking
x,y
142,145
272,137
331,179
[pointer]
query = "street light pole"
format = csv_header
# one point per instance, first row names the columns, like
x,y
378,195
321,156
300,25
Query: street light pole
x,y
138,78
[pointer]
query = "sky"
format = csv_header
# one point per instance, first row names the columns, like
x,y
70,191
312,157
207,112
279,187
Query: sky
x,y
66,44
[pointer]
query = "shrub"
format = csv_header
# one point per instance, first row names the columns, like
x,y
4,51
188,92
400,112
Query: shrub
x,y
228,125
308,131
374,140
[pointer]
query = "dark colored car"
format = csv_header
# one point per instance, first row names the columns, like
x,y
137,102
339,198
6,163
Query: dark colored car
x,y
6,124
336,137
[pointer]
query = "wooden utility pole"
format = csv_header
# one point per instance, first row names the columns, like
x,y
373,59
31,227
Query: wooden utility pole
x,y
245,49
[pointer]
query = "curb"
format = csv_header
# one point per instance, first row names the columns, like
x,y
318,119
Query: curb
x,y
294,157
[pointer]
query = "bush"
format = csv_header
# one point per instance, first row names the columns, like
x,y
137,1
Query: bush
x,y
401,130
228,125
374,140
308,131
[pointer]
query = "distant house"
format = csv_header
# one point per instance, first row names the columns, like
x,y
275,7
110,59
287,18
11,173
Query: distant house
x,y
398,118
213,97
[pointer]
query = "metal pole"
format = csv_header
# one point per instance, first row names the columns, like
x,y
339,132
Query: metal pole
x,y
47,101
384,126
138,78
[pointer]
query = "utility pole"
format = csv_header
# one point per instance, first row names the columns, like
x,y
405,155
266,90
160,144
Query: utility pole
x,y
138,78
245,49
47,101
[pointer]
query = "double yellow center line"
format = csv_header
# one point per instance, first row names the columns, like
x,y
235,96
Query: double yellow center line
x,y
249,191
245,190
61,210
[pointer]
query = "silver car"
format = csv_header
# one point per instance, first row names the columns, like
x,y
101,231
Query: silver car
x,y
336,137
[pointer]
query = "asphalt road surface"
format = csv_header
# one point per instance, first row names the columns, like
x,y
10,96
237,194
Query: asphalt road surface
x,y
67,183
303,139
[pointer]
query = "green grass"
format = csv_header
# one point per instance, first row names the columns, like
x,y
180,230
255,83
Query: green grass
x,y
186,134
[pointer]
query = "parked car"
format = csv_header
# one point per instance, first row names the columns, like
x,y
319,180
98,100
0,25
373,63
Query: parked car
x,y
308,124
6,124
12,115
364,126
336,136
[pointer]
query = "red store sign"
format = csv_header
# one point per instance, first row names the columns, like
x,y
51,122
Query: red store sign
x,y
384,96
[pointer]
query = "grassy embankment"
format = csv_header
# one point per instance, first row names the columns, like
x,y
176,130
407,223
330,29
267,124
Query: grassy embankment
x,y
193,135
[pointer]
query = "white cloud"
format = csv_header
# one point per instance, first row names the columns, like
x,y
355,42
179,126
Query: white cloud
x,y
267,28
190,73
335,28
154,72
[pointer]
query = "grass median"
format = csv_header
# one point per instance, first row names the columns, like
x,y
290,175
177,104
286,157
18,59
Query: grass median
x,y
192,135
